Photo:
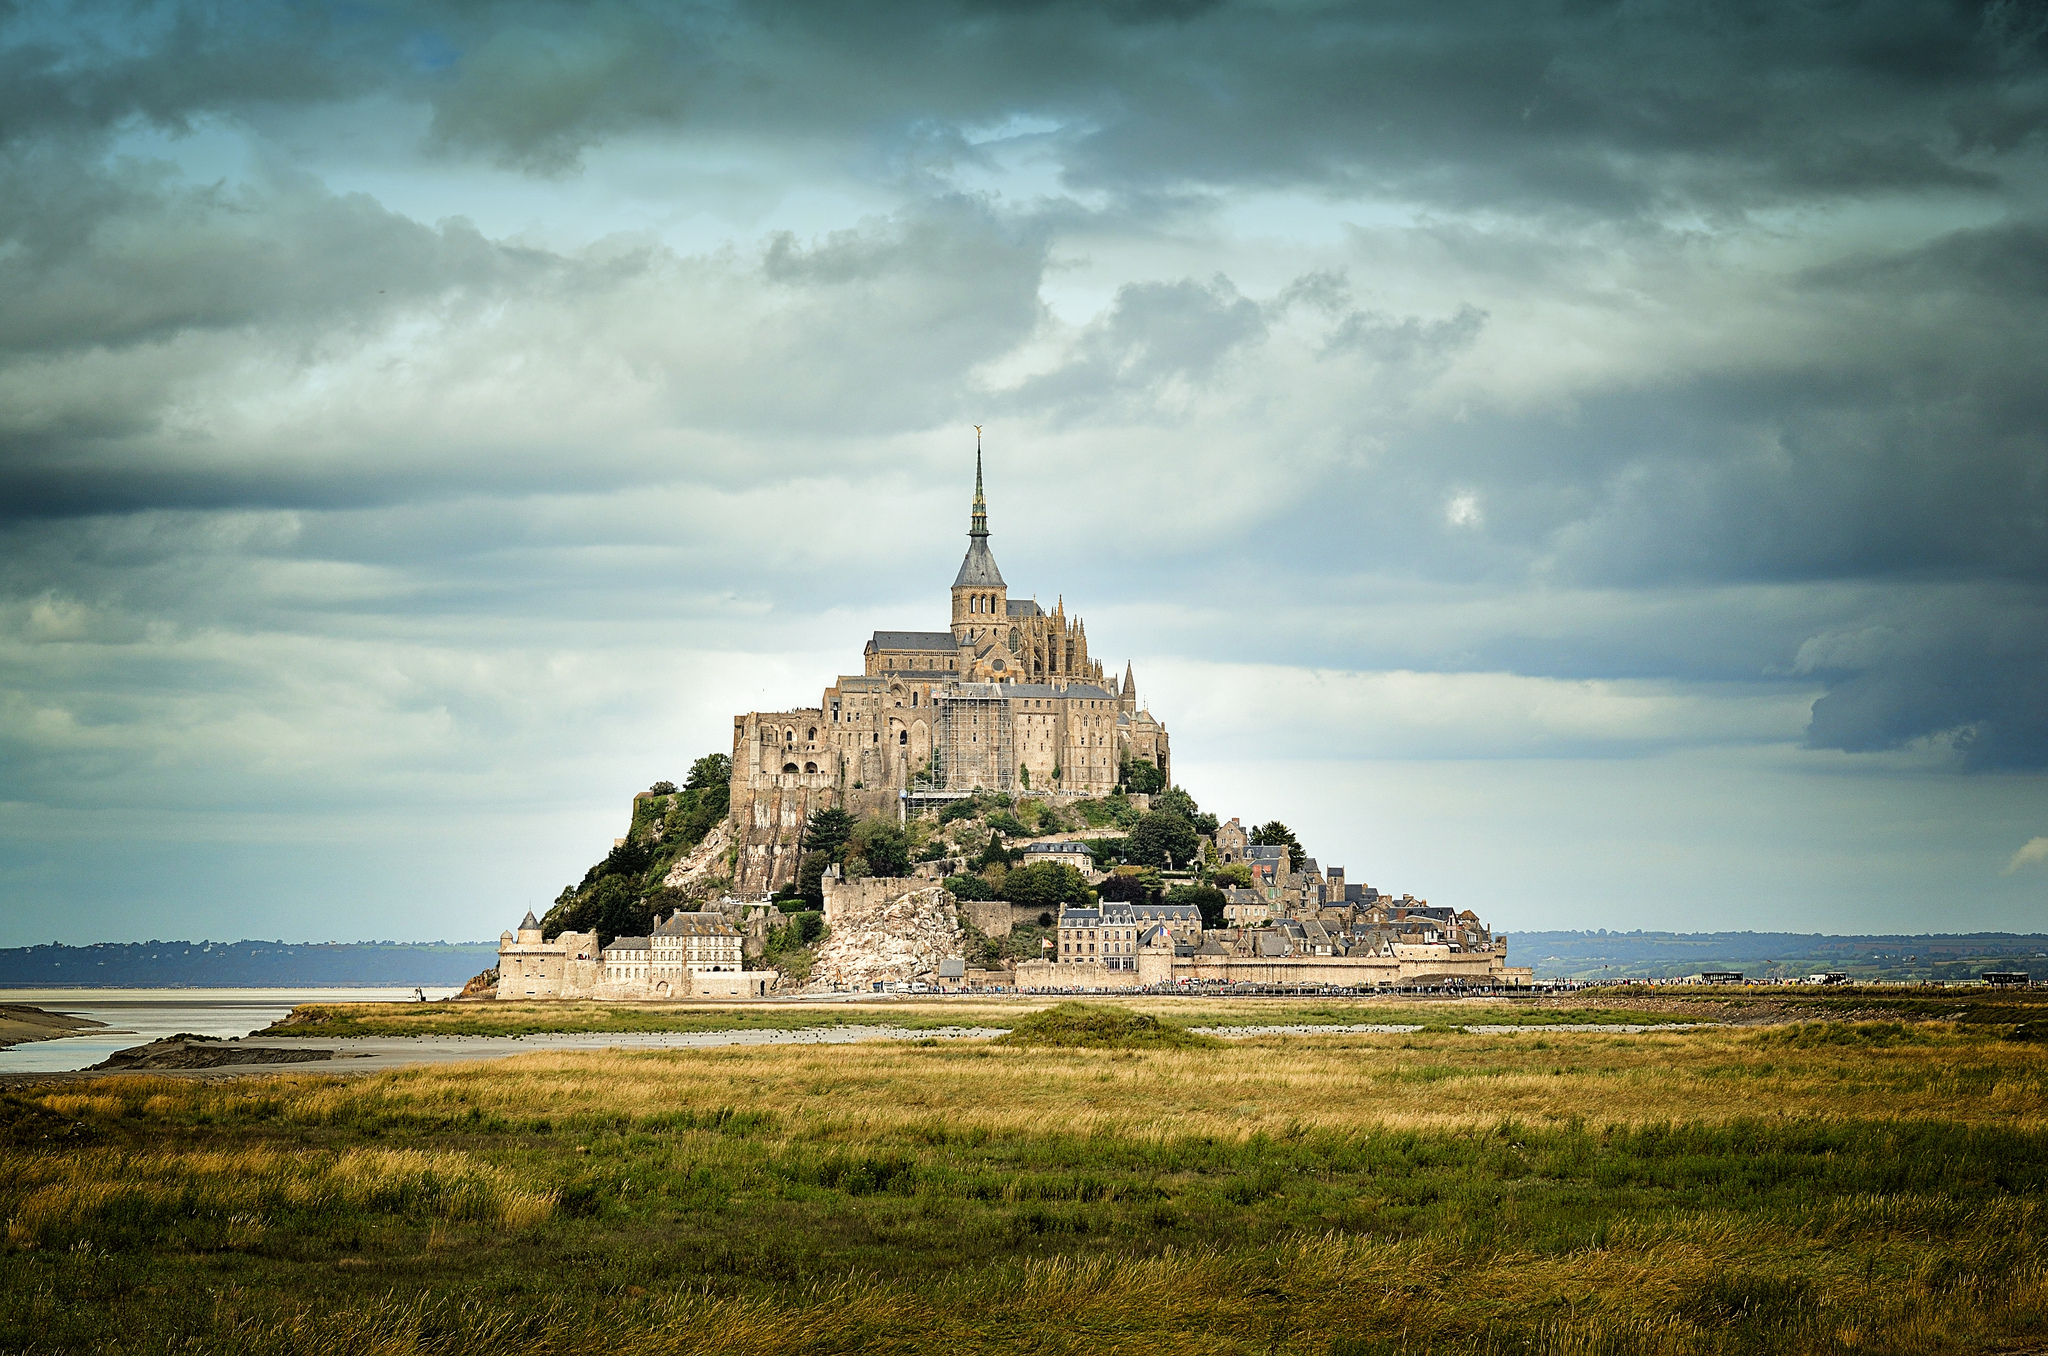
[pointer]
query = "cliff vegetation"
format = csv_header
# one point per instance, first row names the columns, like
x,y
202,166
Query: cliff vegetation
x,y
621,895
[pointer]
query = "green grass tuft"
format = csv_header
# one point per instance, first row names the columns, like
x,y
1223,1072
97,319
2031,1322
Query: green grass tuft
x,y
1102,1026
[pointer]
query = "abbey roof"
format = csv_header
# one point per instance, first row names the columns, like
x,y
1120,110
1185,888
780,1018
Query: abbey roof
x,y
978,570
913,640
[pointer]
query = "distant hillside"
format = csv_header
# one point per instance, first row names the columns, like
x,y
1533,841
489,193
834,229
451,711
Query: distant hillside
x,y
239,965
1762,955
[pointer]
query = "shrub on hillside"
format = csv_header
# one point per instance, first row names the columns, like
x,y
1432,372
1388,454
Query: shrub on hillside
x,y
1108,853
1237,875
1007,824
1045,885
970,887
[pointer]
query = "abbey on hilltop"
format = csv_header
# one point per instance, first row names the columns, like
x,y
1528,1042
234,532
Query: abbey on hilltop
x,y
1006,700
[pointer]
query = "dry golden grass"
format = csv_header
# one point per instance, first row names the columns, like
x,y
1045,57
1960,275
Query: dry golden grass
x,y
249,1188
1334,1195
919,1013
1266,1086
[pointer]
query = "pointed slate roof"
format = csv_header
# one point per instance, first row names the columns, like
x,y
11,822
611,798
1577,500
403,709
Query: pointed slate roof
x,y
529,921
978,570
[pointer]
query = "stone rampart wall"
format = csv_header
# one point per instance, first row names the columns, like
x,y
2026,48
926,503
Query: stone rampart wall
x,y
846,900
1156,968
997,917
1074,975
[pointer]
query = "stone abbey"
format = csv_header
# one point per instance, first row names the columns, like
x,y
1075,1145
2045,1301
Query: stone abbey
x,y
1006,699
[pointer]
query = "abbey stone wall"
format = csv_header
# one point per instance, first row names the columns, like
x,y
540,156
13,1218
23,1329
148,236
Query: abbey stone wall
x,y
1006,699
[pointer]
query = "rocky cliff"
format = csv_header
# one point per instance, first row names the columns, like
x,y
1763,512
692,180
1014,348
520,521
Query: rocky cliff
x,y
901,939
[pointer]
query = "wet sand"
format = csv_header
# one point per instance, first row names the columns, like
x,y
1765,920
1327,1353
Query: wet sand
x,y
20,1024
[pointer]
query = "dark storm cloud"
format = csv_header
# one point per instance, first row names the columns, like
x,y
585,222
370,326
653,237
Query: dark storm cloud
x,y
1152,334
122,256
1611,109
1902,441
167,293
1970,670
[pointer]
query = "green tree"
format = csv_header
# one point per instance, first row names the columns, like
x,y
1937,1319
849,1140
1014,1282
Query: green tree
x,y
1273,833
1163,834
1237,874
1142,776
995,854
810,876
1129,889
1177,799
615,909
1108,853
970,887
662,789
555,919
885,847
713,769
827,831
1207,898
1043,885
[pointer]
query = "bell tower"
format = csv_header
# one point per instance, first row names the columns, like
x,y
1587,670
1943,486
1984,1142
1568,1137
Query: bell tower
x,y
981,600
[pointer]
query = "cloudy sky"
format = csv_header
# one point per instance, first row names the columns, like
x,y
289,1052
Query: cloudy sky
x,y
1586,463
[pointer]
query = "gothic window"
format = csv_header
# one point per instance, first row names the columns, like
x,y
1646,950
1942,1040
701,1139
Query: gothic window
x,y
812,733
903,736
810,767
789,767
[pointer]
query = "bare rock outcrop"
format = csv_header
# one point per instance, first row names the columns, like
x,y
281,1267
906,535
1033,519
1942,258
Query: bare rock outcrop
x,y
903,939
702,868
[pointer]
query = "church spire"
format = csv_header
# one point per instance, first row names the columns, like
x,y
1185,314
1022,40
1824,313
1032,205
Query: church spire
x,y
978,570
978,523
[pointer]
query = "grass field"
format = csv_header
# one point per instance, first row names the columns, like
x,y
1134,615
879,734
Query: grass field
x,y
1816,1187
331,1020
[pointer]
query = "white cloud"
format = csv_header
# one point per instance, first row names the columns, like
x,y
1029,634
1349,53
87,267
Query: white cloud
x,y
2034,851
1237,709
